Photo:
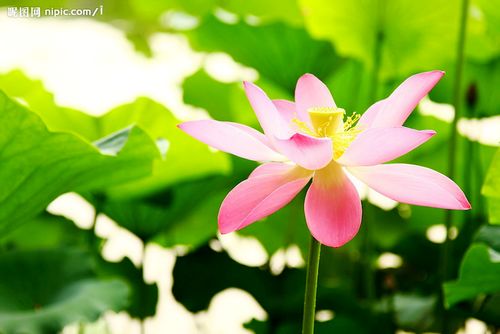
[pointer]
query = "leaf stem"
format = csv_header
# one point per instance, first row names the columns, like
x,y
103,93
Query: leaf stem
x,y
311,287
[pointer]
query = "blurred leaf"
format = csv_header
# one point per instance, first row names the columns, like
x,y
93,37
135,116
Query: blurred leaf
x,y
431,153
266,11
223,101
491,185
387,228
142,218
494,211
220,272
339,324
415,312
344,324
490,235
38,165
196,222
226,101
483,33
490,310
350,85
42,291
491,189
415,35
284,228
255,46
143,296
486,77
479,274
281,296
185,215
42,232
418,272
263,11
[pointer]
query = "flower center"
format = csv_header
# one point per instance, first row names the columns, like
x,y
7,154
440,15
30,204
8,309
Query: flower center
x,y
329,122
326,121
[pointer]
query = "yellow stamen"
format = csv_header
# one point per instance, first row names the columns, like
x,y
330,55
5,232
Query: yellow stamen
x,y
342,140
326,121
351,121
303,127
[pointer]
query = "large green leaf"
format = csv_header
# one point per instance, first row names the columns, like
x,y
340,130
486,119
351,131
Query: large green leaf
x,y
256,46
479,274
42,291
38,165
415,35
56,118
185,157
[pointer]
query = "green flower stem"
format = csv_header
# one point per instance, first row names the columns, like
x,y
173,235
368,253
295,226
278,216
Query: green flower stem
x,y
368,274
457,103
311,287
368,252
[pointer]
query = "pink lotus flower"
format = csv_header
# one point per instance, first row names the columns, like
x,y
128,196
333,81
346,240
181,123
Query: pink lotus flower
x,y
310,139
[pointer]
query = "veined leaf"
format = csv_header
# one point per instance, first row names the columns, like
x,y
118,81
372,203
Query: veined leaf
x,y
38,165
42,291
185,157
416,35
256,46
479,274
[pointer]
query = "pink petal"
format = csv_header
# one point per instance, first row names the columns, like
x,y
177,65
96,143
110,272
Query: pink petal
x,y
378,145
366,120
311,92
398,106
306,151
270,168
273,123
233,138
288,110
332,207
413,185
260,196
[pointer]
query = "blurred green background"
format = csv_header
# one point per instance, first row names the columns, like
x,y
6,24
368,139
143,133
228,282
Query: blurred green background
x,y
108,213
